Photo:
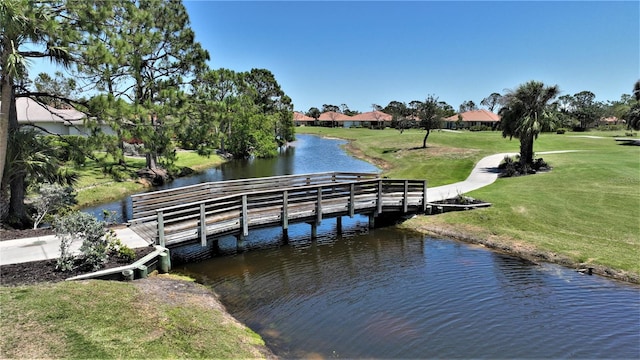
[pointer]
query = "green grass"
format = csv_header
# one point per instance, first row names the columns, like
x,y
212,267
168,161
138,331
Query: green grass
x,y
586,209
96,187
105,319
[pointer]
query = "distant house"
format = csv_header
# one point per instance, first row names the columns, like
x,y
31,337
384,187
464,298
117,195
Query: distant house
x,y
371,119
333,119
611,120
472,118
302,119
52,120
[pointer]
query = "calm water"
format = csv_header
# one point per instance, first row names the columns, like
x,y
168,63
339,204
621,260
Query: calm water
x,y
389,294
309,154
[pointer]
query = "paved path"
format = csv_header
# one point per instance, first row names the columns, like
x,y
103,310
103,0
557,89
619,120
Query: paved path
x,y
47,247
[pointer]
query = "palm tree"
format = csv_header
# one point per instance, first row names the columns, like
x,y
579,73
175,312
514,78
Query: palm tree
x,y
633,115
31,159
25,22
525,113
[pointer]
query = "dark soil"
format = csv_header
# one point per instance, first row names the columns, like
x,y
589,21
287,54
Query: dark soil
x,y
45,271
10,234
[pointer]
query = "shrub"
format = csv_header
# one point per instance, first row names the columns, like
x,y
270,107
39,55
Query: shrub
x,y
511,167
120,250
561,131
75,226
133,149
480,128
52,199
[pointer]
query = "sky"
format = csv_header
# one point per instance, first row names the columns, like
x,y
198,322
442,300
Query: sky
x,y
372,52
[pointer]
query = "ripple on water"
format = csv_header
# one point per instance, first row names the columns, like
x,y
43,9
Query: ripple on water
x,y
387,294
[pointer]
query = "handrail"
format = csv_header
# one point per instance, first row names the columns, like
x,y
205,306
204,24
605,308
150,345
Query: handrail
x,y
263,203
146,203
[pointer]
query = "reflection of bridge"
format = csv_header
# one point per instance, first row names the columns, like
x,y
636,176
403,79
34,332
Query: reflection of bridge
x,y
215,209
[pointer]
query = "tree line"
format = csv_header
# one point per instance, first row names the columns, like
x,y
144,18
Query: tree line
x,y
136,69
577,112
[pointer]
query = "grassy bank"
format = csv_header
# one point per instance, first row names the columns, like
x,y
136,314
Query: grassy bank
x,y
584,212
95,187
159,317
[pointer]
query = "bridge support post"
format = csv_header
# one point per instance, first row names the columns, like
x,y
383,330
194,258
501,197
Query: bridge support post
x,y
372,221
240,244
339,225
314,231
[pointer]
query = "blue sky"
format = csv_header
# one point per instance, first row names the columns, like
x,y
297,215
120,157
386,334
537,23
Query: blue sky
x,y
366,52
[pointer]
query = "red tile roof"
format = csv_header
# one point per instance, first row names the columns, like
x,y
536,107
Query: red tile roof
x,y
298,116
372,116
476,115
334,116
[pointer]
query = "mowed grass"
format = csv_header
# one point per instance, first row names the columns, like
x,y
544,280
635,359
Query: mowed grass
x,y
587,208
107,319
96,187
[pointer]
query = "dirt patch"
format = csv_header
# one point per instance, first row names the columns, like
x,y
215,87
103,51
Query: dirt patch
x,y
11,234
527,252
45,270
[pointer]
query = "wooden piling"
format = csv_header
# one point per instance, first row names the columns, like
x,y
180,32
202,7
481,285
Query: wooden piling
x,y
164,263
142,271
127,275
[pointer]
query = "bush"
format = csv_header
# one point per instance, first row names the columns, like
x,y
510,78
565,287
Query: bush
x,y
561,131
120,250
75,226
52,199
480,128
511,167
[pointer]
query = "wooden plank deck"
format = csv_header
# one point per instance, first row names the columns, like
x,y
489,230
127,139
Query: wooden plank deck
x,y
238,212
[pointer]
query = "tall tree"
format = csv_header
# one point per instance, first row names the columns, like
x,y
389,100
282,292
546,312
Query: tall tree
x,y
59,86
314,112
492,101
585,109
429,113
468,105
330,108
633,116
54,30
23,23
525,111
147,56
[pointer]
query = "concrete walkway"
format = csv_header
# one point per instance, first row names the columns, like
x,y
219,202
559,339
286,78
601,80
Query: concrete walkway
x,y
47,247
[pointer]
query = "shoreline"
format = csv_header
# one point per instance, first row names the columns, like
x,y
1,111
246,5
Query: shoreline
x,y
507,245
520,250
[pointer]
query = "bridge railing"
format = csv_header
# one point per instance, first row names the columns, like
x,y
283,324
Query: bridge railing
x,y
146,204
236,213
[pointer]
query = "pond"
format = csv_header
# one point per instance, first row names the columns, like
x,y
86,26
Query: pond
x,y
386,293
391,294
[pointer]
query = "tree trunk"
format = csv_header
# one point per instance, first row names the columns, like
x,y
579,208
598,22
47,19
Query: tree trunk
x,y
424,141
526,151
7,98
18,217
152,160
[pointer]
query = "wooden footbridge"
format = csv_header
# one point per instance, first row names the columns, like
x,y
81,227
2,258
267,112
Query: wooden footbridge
x,y
212,210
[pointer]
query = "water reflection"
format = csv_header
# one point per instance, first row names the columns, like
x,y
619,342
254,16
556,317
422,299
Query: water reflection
x,y
308,154
390,294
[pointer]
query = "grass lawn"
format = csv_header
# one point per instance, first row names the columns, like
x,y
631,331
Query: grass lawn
x,y
95,187
107,319
586,209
